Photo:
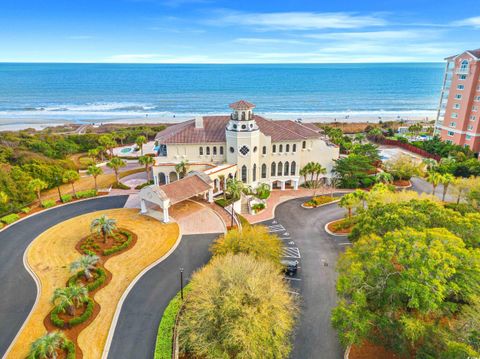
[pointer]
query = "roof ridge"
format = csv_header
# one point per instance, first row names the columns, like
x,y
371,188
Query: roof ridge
x,y
277,124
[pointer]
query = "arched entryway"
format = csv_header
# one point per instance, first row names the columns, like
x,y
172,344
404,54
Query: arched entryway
x,y
173,176
162,178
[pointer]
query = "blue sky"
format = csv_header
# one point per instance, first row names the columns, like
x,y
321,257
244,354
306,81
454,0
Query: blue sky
x,y
248,31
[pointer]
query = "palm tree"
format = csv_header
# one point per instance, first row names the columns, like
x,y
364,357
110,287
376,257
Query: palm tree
x,y
71,176
384,177
46,347
93,153
434,178
104,226
85,264
120,136
263,191
140,141
37,185
94,171
116,163
318,169
69,298
349,201
182,168
304,172
221,179
446,179
234,189
430,164
148,162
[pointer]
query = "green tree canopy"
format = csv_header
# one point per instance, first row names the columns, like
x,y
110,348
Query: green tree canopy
x,y
238,307
353,170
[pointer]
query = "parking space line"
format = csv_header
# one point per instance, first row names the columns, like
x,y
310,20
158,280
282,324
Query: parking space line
x,y
345,244
291,252
290,278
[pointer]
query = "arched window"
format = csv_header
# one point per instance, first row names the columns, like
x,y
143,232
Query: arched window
x,y
294,147
264,150
264,171
304,144
244,173
280,148
221,150
285,170
279,169
464,65
287,147
274,148
207,150
214,150
293,168
273,170
254,173
243,116
200,151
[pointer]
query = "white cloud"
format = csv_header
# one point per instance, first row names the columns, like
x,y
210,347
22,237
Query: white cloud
x,y
298,20
267,41
471,21
372,35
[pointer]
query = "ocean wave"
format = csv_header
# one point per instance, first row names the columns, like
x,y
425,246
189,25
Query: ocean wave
x,y
90,107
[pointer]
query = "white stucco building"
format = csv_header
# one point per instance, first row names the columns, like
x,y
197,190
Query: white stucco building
x,y
242,144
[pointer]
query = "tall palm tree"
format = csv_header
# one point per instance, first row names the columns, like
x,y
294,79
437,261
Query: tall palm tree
x,y
148,162
446,179
318,169
71,176
93,153
46,347
94,171
85,264
234,189
430,164
115,164
304,172
69,298
349,201
434,178
37,185
182,168
140,141
104,226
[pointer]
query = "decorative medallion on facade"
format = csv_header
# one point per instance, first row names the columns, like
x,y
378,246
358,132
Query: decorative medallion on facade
x,y
244,150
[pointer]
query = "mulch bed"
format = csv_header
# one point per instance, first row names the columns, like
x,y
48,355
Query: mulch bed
x,y
402,183
331,228
370,351
73,332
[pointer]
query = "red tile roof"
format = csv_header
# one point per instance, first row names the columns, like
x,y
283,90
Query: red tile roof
x,y
185,188
475,53
213,131
241,105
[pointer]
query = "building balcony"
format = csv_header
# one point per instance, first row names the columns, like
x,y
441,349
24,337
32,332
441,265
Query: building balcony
x,y
462,71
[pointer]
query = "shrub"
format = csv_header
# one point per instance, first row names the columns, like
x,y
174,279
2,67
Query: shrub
x,y
87,193
223,202
463,208
254,240
163,345
58,322
140,186
10,218
25,210
318,201
66,198
344,223
1,225
69,346
91,286
120,185
241,295
48,203
258,207
120,247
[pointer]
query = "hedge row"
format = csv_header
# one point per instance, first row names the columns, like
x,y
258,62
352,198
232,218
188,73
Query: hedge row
x,y
10,218
48,203
164,343
79,195
58,322
102,277
120,247
69,346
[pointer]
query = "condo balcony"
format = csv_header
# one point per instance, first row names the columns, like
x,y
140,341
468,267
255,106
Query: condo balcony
x,y
462,70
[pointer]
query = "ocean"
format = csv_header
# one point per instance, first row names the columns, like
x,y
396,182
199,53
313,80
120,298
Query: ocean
x,y
34,95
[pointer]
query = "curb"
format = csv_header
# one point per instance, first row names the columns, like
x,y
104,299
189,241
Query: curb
x,y
331,233
325,204
38,284
113,325
347,352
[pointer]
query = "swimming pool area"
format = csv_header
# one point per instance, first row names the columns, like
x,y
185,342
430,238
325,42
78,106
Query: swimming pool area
x,y
392,152
126,150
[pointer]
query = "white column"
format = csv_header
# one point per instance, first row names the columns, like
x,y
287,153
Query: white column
x,y
167,178
295,184
210,195
155,178
271,185
166,218
143,207
283,185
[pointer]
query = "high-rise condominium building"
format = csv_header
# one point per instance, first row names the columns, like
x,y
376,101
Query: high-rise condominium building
x,y
458,118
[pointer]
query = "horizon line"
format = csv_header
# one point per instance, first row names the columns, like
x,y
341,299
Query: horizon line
x,y
219,63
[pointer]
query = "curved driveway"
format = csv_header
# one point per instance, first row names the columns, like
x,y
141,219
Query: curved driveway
x,y
17,287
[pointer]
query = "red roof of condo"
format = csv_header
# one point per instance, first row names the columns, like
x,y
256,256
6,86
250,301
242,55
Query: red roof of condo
x,y
241,105
213,130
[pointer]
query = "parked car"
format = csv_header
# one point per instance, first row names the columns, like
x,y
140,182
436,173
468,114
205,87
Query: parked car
x,y
289,267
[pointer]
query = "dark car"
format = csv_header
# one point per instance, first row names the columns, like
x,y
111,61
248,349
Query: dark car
x,y
289,267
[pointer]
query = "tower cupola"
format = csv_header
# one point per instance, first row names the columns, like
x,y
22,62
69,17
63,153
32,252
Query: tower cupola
x,y
242,118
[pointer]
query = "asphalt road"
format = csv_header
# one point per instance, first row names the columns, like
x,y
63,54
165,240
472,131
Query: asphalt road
x,y
17,288
137,326
302,231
